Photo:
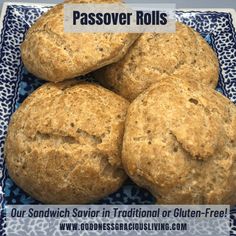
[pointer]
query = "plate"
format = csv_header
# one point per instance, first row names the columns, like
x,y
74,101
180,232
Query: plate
x,y
216,26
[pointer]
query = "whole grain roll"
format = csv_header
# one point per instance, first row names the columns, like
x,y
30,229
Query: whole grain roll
x,y
53,55
64,143
180,143
153,56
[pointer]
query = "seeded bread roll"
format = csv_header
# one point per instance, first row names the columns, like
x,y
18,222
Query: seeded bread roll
x,y
53,55
180,143
64,143
183,53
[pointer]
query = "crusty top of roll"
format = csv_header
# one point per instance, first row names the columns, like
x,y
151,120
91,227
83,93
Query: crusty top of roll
x,y
180,143
51,54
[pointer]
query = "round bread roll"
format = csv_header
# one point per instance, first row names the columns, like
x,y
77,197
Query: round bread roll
x,y
53,55
64,143
183,53
180,143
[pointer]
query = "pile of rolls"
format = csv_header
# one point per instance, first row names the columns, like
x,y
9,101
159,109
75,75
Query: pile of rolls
x,y
153,115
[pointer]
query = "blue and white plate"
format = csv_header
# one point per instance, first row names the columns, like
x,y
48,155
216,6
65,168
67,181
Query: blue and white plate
x,y
217,27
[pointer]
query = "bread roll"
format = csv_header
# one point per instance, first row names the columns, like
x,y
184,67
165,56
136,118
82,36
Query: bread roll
x,y
64,143
183,53
53,55
180,143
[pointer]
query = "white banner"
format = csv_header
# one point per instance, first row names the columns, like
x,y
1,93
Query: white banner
x,y
119,18
132,220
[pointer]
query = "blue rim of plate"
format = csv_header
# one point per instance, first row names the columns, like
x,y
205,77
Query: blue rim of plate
x,y
16,84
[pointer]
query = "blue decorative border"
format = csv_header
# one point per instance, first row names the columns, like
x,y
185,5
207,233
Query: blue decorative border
x,y
16,83
213,21
9,82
